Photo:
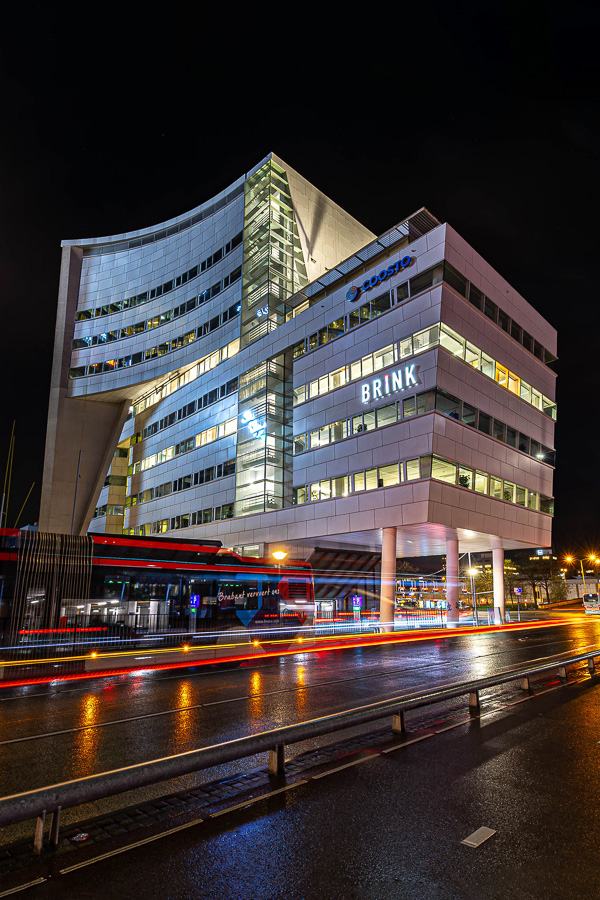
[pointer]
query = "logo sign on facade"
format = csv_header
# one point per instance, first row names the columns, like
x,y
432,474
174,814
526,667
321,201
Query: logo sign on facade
x,y
378,388
353,293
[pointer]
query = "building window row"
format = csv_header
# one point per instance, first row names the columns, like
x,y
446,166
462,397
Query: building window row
x,y
429,466
189,337
214,433
146,296
490,309
434,336
109,509
418,404
82,343
360,368
204,476
185,520
422,282
188,410
204,365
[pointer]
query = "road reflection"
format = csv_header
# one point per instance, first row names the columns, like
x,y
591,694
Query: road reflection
x,y
182,724
84,759
255,690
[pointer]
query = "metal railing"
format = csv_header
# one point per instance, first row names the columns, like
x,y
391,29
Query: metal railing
x,y
36,803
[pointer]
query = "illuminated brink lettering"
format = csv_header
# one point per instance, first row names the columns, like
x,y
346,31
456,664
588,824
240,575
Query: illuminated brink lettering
x,y
379,388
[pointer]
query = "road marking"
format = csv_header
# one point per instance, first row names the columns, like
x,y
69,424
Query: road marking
x,y
22,887
164,712
416,740
233,700
252,800
355,762
522,700
455,725
148,840
478,837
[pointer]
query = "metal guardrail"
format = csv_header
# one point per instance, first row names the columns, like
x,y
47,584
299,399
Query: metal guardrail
x,y
35,804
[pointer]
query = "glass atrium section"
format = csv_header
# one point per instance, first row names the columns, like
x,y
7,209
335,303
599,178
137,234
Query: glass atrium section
x,y
273,264
264,440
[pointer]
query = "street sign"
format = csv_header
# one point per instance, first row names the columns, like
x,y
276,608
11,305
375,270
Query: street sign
x,y
518,590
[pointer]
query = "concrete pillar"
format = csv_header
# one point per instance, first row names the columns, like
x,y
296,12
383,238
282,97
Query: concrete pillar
x,y
498,574
452,582
387,592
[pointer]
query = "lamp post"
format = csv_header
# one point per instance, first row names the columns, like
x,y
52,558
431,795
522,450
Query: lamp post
x,y
593,559
473,573
279,555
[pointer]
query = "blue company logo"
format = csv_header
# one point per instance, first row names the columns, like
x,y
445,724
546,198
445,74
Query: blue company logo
x,y
353,293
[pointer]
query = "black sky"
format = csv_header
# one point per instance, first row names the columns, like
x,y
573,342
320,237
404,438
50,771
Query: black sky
x,y
115,119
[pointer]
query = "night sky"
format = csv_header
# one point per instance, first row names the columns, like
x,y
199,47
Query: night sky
x,y
488,118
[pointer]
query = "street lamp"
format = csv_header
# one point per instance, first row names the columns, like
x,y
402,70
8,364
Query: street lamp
x,y
593,559
473,573
279,555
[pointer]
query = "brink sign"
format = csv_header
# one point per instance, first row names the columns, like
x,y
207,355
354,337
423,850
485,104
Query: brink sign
x,y
388,384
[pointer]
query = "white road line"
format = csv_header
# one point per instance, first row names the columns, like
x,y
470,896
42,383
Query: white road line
x,y
157,837
233,700
253,800
148,840
163,712
416,740
22,887
356,762
455,725
522,700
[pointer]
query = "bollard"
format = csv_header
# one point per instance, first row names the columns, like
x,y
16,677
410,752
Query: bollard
x,y
525,683
562,672
38,840
277,760
399,723
474,701
55,827
591,666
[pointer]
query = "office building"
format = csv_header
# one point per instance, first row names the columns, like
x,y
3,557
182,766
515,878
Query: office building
x,y
265,371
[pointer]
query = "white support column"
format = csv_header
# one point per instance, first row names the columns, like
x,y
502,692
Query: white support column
x,y
387,591
452,583
498,573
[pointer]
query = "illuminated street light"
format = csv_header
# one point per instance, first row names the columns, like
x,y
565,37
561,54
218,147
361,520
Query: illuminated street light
x,y
593,559
473,573
279,555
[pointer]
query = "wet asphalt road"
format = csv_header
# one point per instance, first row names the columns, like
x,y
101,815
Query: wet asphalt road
x,y
392,827
161,714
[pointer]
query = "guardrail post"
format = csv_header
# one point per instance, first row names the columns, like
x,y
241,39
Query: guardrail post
x,y
591,666
399,723
38,840
55,827
562,672
525,683
277,760
474,701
